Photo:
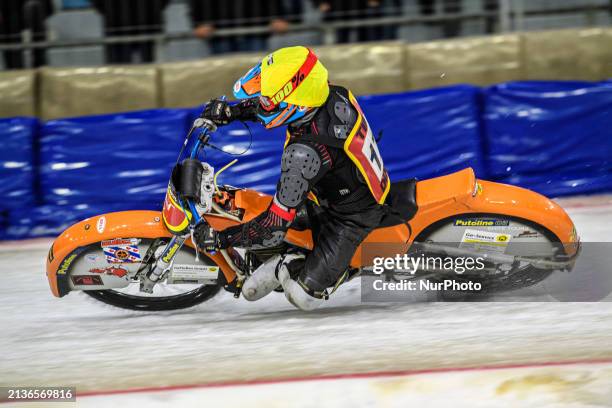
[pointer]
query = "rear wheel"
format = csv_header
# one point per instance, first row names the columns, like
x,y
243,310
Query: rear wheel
x,y
518,237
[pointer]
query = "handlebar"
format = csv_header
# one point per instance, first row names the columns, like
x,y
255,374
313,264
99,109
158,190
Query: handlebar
x,y
206,127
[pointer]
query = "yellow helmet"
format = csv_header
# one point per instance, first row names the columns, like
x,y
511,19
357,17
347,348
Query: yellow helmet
x,y
294,75
289,83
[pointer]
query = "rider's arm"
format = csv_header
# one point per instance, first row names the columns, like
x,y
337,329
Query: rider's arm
x,y
303,164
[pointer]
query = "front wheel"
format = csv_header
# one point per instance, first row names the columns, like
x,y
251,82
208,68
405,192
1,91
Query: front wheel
x,y
155,303
121,288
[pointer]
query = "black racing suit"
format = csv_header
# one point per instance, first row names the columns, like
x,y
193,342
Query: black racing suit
x,y
314,162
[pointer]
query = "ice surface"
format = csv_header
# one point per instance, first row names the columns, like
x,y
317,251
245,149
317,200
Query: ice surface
x,y
77,341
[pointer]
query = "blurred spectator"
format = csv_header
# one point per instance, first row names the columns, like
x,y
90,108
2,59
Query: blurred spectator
x,y
492,6
450,28
209,15
335,10
17,16
131,17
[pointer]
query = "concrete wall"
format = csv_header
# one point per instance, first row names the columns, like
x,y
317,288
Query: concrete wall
x,y
66,92
17,93
371,68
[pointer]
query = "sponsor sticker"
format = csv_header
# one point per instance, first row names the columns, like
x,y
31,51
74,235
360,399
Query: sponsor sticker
x,y
527,234
86,280
101,224
481,222
111,270
66,264
121,250
485,241
194,273
168,257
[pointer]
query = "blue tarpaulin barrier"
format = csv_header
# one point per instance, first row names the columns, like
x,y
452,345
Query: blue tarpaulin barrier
x,y
258,166
110,158
17,162
551,137
427,133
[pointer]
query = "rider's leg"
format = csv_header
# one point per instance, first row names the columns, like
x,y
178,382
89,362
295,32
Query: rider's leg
x,y
263,280
294,293
304,282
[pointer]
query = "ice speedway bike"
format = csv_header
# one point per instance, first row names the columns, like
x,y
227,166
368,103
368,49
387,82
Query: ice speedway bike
x,y
146,260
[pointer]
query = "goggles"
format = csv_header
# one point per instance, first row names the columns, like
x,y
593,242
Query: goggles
x,y
270,104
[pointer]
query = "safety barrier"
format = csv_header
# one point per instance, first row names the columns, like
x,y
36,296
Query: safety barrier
x,y
17,160
367,68
553,137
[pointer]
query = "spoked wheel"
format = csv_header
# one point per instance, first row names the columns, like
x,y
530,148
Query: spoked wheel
x,y
515,236
165,296
161,299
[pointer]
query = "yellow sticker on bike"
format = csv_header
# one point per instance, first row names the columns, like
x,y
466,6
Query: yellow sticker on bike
x,y
485,241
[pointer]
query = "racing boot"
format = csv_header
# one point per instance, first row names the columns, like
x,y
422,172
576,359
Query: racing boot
x,y
263,280
288,272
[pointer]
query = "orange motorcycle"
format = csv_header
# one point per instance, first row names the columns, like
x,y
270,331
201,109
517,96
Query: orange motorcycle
x,y
146,260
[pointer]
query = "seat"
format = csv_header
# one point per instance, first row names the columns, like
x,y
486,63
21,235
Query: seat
x,y
401,202
402,198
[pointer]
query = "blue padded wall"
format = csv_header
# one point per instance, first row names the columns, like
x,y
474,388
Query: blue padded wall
x,y
257,168
551,137
96,164
17,162
110,158
427,133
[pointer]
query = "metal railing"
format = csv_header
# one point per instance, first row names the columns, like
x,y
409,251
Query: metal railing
x,y
510,15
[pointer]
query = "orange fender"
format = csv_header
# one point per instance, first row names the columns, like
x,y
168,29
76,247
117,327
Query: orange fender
x,y
124,224
462,193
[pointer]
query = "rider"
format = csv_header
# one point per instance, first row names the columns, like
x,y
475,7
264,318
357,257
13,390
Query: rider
x,y
330,152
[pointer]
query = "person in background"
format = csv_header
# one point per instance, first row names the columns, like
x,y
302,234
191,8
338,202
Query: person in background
x,y
16,16
450,28
210,15
493,6
131,17
335,10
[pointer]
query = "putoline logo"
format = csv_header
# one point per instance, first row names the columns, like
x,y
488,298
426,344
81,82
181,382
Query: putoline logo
x,y
481,223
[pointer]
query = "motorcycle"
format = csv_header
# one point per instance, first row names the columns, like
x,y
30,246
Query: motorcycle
x,y
147,260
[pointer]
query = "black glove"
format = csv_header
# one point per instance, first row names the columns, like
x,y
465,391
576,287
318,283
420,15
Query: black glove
x,y
205,237
218,111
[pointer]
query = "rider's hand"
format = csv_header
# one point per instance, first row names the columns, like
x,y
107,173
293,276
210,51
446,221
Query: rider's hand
x,y
218,111
206,238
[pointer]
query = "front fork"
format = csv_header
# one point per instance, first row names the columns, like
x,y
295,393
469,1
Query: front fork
x,y
162,265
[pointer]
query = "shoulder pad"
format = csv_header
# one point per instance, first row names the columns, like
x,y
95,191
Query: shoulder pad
x,y
300,163
343,115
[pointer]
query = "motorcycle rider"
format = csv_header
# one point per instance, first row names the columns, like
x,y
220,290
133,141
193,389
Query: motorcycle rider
x,y
330,151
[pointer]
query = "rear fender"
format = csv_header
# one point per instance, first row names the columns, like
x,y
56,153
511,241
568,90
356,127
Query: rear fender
x,y
461,193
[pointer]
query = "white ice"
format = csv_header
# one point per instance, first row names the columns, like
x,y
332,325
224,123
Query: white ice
x,y
76,341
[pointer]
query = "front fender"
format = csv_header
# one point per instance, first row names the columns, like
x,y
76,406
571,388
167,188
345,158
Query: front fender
x,y
124,224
